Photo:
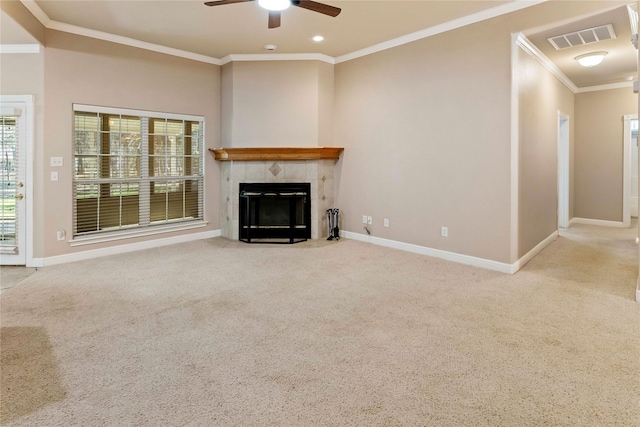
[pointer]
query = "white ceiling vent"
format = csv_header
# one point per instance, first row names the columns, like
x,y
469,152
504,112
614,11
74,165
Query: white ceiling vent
x,y
579,38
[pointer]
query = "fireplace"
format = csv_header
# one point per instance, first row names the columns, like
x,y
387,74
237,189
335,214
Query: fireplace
x,y
275,212
313,165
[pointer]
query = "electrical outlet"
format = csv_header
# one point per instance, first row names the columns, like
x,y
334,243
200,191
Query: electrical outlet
x,y
364,219
369,220
386,222
444,232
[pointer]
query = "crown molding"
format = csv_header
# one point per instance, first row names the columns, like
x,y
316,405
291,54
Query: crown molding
x,y
20,48
100,35
512,6
36,11
609,86
528,47
41,16
543,60
441,28
278,57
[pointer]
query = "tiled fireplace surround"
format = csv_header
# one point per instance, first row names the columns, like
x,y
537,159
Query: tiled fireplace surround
x,y
306,165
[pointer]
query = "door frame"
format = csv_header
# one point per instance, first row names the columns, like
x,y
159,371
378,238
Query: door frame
x,y
564,153
26,103
626,170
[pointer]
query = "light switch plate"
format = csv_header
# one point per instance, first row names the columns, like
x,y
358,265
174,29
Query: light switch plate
x,y
56,161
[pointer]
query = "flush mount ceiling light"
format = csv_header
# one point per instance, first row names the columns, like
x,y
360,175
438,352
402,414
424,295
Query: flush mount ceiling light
x,y
591,59
317,38
274,4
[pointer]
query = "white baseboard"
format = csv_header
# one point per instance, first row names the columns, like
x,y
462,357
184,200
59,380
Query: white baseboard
x,y
436,253
588,221
452,256
535,251
119,249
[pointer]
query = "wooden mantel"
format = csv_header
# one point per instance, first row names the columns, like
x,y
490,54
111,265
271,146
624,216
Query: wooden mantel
x,y
277,153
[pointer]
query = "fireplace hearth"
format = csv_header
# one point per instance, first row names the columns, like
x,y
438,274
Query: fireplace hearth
x,y
275,212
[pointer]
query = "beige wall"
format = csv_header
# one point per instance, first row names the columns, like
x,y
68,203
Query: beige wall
x,y
88,71
599,152
276,103
541,96
23,74
427,142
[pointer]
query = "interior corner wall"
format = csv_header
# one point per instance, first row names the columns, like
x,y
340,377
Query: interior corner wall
x,y
427,142
326,100
88,71
540,96
23,17
277,103
599,143
226,105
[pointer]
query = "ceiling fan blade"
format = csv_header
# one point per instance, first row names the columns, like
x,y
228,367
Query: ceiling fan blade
x,y
317,7
222,2
274,19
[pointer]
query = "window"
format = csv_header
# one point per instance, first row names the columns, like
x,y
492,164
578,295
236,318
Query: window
x,y
135,169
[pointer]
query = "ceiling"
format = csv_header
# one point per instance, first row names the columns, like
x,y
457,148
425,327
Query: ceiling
x,y
241,28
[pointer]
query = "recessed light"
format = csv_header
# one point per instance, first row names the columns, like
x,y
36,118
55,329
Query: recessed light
x,y
270,46
317,38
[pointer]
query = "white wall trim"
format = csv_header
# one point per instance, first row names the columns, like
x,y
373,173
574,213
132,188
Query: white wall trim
x,y
515,149
533,252
278,57
119,249
36,11
638,290
564,167
543,60
441,28
601,222
626,170
436,253
101,35
509,7
29,113
605,87
452,256
20,48
136,232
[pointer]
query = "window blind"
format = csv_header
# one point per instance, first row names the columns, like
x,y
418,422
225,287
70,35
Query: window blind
x,y
135,169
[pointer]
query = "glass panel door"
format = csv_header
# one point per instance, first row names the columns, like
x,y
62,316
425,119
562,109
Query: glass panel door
x,y
12,188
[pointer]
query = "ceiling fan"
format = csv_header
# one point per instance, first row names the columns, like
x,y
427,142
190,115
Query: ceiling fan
x,y
275,6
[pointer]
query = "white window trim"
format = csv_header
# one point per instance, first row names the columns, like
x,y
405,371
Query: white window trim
x,y
130,112
129,234
107,236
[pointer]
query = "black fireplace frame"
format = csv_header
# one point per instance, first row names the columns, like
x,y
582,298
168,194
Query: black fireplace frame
x,y
294,196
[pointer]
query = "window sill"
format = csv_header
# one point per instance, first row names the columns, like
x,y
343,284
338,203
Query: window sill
x,y
130,234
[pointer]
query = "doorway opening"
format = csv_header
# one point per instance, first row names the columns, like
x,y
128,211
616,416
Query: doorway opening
x,y
563,170
630,170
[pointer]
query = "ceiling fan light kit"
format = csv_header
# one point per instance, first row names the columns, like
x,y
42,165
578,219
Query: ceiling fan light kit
x,y
275,6
591,59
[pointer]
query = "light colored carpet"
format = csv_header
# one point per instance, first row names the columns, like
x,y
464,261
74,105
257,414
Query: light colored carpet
x,y
221,333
